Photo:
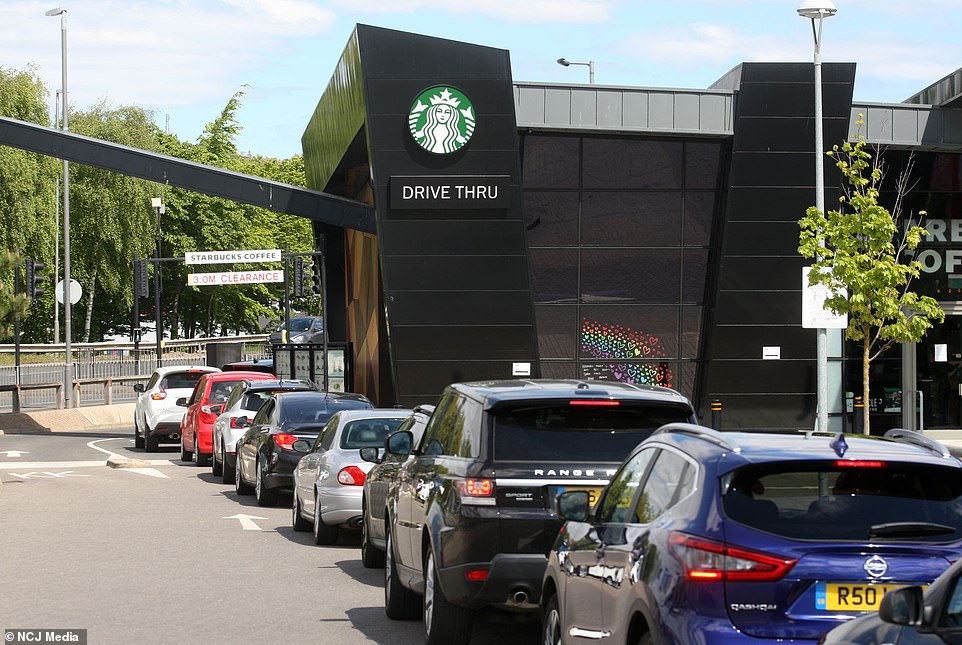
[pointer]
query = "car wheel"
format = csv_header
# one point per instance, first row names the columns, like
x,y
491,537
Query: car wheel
x,y
216,467
298,523
443,622
371,556
551,623
199,459
240,486
265,496
151,442
227,472
138,437
185,455
400,603
323,534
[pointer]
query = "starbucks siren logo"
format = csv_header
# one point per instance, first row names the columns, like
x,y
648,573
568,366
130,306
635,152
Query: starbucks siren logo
x,y
441,120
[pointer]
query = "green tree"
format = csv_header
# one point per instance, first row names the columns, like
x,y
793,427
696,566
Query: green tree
x,y
860,256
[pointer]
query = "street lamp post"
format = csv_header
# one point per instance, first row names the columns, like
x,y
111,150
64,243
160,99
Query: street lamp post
x,y
56,235
564,62
68,362
818,10
157,204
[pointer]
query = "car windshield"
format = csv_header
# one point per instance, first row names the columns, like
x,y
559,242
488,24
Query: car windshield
x,y
301,324
181,380
825,501
368,433
558,431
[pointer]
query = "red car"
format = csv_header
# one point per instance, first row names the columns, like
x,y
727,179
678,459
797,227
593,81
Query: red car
x,y
203,407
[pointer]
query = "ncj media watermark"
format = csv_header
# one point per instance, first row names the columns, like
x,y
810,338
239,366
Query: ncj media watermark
x,y
35,636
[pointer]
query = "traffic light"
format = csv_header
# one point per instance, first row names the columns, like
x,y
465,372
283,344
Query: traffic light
x,y
141,282
316,279
34,278
298,287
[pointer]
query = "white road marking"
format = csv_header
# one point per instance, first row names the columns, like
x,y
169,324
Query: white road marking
x,y
15,453
151,472
47,475
51,464
246,521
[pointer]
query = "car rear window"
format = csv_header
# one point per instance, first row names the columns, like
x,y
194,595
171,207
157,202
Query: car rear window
x,y
314,408
368,433
881,501
181,380
557,431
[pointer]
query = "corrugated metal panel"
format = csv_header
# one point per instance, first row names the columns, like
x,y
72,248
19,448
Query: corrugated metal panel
x,y
909,126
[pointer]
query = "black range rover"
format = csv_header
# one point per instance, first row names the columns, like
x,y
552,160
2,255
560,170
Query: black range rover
x,y
471,515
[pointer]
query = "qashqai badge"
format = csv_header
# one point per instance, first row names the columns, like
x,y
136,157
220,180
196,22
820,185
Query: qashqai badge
x,y
441,119
876,566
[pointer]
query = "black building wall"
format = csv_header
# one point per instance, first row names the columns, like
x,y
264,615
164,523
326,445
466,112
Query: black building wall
x,y
757,290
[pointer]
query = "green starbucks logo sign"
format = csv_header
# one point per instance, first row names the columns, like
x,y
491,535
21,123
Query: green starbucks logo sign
x,y
441,119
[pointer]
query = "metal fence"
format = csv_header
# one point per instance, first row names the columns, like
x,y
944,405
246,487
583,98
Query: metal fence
x,y
95,365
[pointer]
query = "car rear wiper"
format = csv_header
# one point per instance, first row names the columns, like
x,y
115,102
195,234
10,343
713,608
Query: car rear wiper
x,y
909,529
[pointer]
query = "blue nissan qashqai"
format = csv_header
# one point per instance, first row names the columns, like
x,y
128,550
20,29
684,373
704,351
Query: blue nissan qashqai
x,y
717,538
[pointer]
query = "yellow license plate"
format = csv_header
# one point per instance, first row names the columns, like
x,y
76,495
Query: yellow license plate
x,y
593,493
841,596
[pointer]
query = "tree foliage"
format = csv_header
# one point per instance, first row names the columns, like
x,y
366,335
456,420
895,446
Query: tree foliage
x,y
860,252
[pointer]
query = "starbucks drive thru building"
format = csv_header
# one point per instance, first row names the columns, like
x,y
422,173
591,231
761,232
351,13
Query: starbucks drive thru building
x,y
589,231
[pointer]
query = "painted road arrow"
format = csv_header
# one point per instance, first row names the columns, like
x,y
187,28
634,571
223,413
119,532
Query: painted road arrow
x,y
246,521
15,453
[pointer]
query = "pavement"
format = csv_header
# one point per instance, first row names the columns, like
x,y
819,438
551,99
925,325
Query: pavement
x,y
94,417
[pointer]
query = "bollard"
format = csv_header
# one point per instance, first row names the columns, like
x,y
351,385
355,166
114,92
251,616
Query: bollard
x,y
716,413
858,423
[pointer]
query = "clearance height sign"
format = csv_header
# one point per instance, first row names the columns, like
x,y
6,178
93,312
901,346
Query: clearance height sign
x,y
233,277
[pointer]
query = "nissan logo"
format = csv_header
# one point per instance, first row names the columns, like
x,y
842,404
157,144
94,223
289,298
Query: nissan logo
x,y
876,566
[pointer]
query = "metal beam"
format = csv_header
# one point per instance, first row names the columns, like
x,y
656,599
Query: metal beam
x,y
209,180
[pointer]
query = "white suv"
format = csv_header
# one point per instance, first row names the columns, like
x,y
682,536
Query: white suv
x,y
157,416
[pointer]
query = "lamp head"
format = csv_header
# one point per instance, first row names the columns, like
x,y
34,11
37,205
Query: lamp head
x,y
563,62
55,12
156,202
817,9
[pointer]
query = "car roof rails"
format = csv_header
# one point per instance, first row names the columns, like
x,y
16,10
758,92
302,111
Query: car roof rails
x,y
918,439
712,436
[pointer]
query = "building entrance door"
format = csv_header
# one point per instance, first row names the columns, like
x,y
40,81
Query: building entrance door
x,y
939,360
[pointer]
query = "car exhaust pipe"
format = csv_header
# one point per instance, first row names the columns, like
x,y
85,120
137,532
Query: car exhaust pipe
x,y
519,596
175,437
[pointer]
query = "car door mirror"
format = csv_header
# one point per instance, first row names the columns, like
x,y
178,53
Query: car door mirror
x,y
902,606
399,443
182,402
301,445
139,388
371,455
573,505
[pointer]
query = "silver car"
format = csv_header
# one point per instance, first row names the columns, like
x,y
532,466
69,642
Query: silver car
x,y
329,479
156,415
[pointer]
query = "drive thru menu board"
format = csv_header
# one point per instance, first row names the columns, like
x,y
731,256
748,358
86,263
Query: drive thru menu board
x,y
307,362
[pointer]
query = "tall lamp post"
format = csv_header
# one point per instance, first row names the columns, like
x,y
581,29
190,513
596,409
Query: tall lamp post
x,y
157,203
56,236
817,11
564,62
68,362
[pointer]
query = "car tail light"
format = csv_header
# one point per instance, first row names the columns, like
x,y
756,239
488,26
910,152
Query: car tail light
x,y
351,476
284,440
854,463
234,423
478,488
476,575
709,560
595,403
159,396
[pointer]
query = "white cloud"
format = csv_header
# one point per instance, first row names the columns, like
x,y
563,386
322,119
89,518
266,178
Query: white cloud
x,y
516,11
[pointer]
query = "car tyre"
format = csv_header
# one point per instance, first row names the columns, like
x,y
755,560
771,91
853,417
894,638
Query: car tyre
x,y
138,437
227,471
371,556
444,622
199,459
551,622
400,603
298,523
323,534
265,496
240,486
185,455
151,442
217,467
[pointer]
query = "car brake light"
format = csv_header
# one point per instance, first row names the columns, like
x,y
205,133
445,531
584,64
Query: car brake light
x,y
234,423
854,463
284,440
351,476
159,396
708,560
595,403
478,488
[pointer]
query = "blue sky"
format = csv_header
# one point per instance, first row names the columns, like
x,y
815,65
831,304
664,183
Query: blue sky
x,y
183,59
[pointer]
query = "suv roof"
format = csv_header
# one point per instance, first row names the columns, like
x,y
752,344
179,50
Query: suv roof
x,y
491,393
272,384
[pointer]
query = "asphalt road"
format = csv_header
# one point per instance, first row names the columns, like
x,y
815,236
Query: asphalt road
x,y
159,555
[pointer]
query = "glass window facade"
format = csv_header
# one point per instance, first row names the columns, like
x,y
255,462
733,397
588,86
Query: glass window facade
x,y
618,233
